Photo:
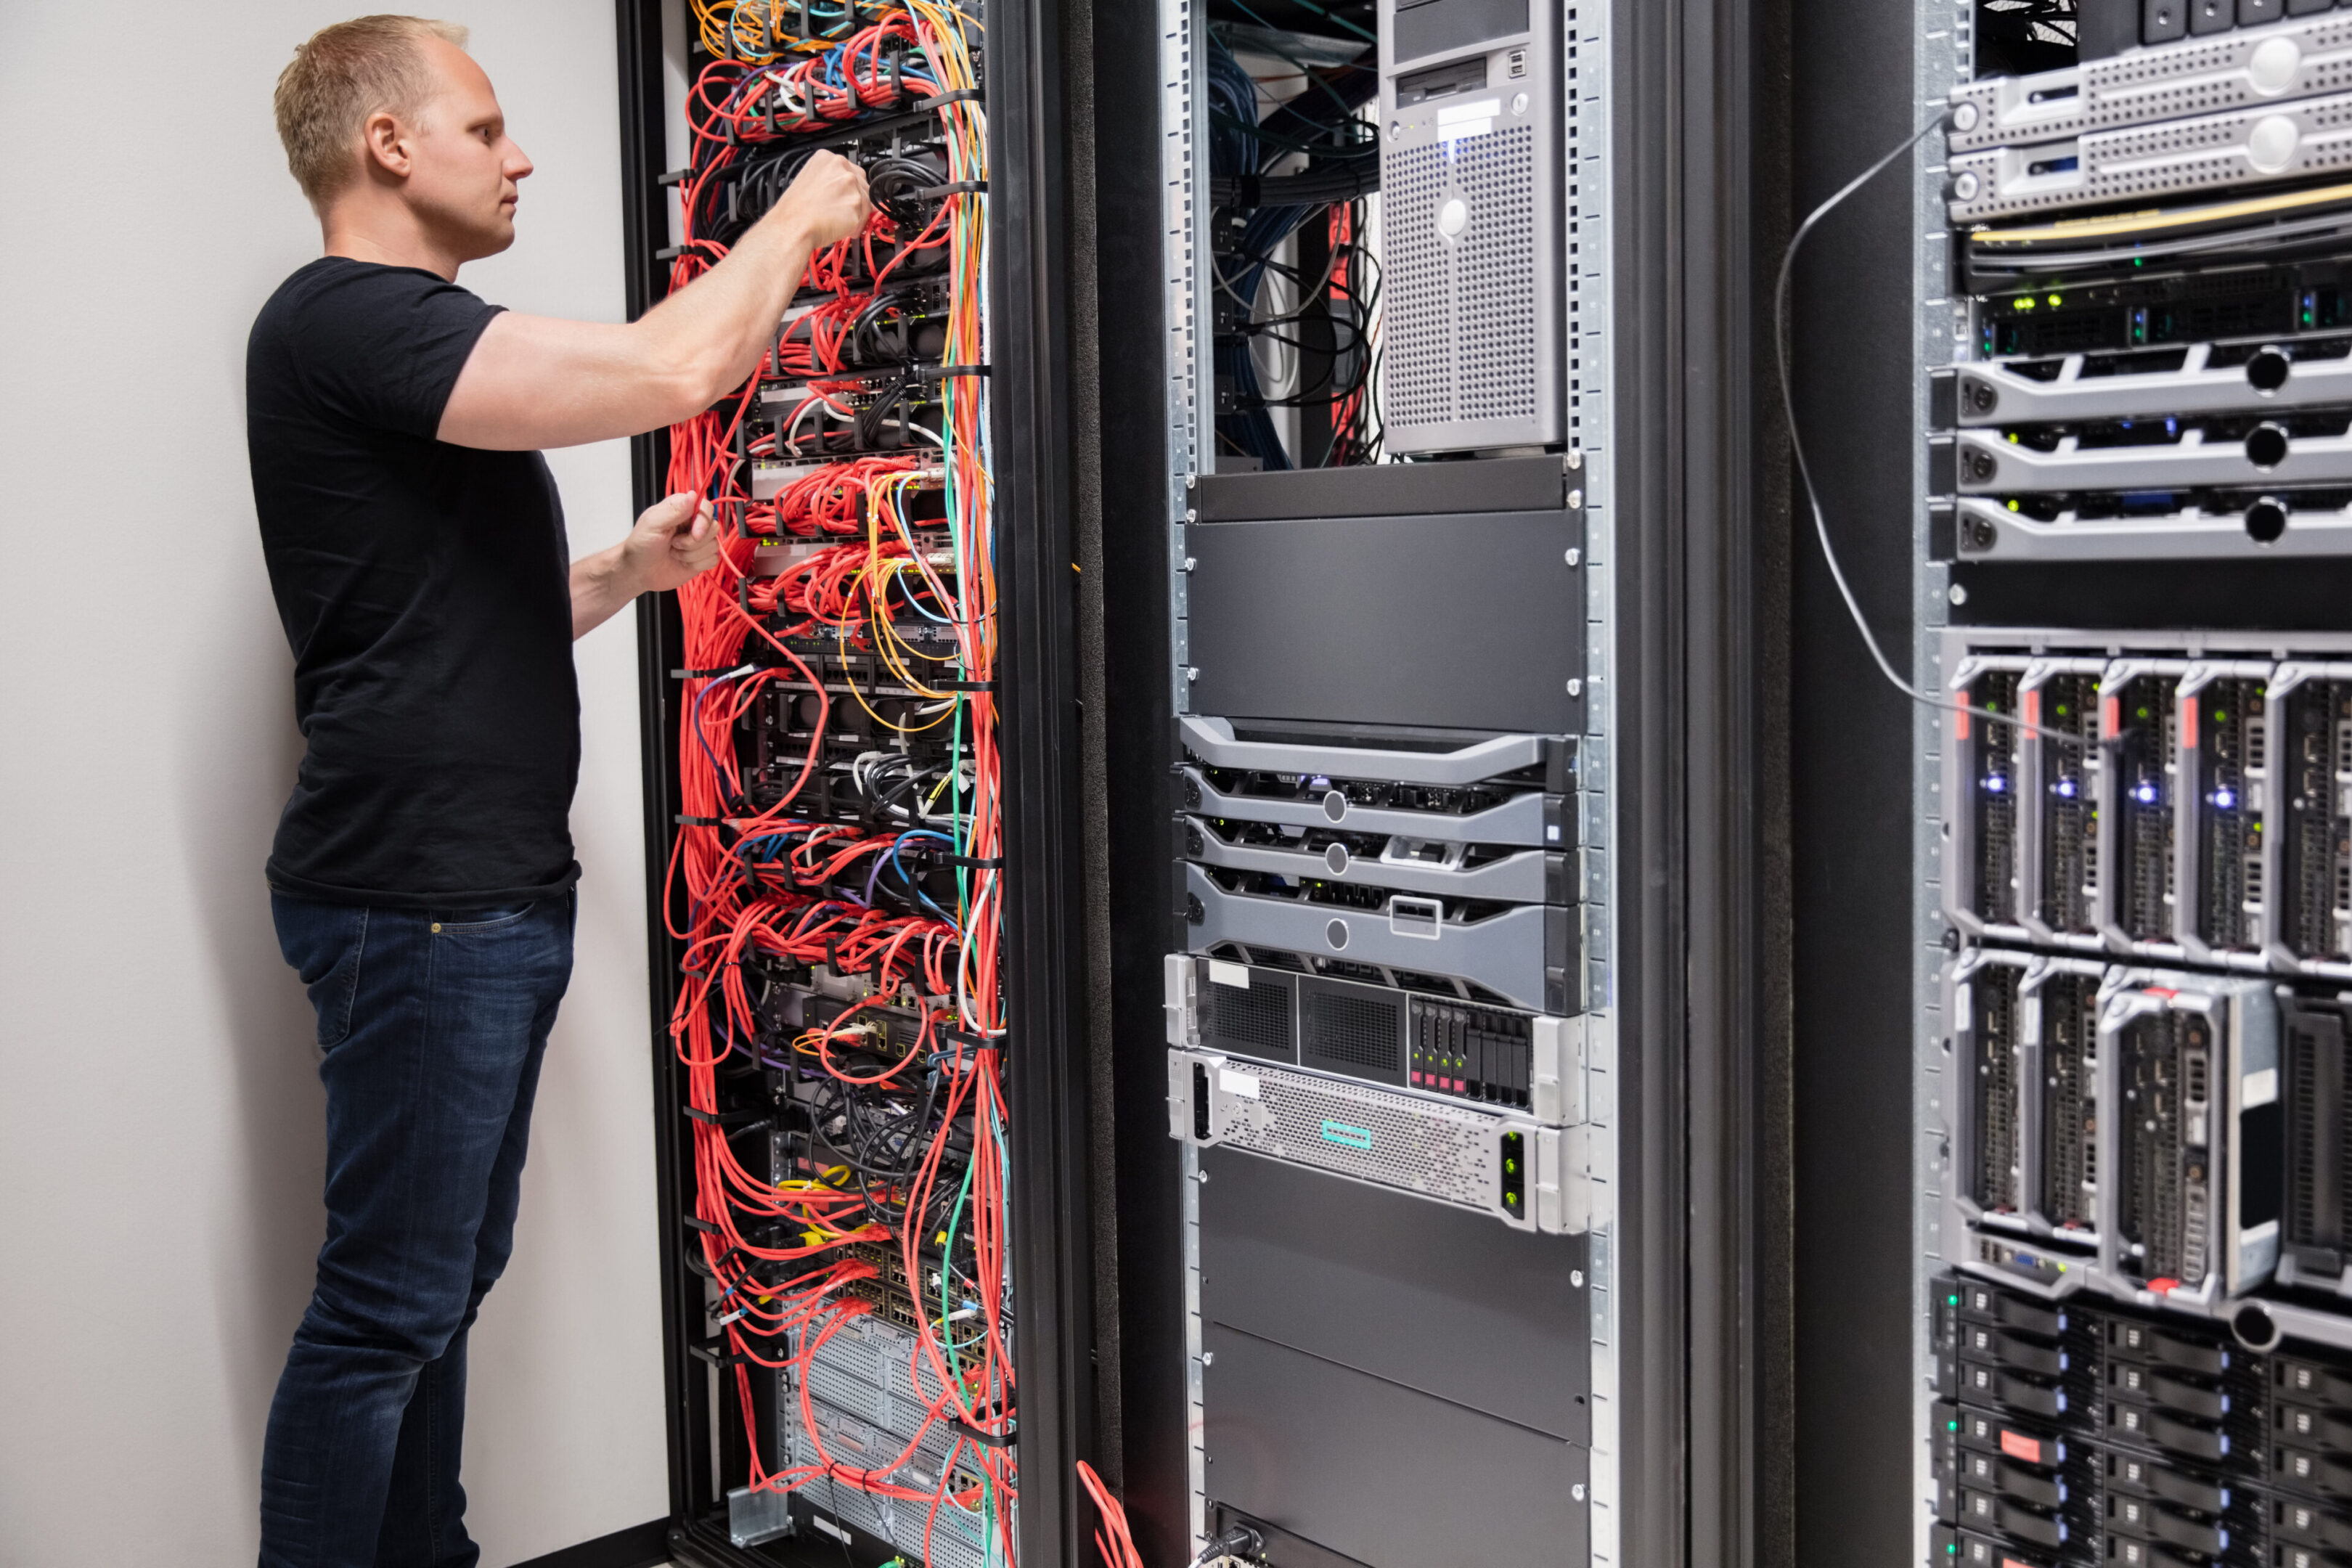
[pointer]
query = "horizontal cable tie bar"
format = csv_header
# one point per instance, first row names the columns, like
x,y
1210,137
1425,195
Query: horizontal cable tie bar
x,y
992,863
961,95
941,371
988,685
953,188
700,821
670,253
675,176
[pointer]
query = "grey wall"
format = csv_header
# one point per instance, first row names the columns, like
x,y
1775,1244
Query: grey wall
x,y
160,1144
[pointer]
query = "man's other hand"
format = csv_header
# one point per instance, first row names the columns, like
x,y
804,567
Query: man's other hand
x,y
674,541
826,200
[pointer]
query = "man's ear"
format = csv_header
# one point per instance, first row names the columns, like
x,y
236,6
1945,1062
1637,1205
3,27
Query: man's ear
x,y
385,142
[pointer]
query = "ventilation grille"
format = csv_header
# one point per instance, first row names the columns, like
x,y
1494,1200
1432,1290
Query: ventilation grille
x,y
1495,276
1359,1031
2318,1172
1463,326
1437,1150
1256,1019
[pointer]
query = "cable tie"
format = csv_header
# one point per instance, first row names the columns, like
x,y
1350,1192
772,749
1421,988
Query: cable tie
x,y
942,371
673,177
972,1434
670,253
961,95
992,863
988,685
683,821
707,674
694,1222
953,188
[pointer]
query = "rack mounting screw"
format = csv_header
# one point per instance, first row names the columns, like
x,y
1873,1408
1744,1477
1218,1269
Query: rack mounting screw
x,y
1208,1358
1202,1177
1575,499
1575,556
1192,672
1576,1278
1190,563
1957,595
1577,1491
1575,687
1575,461
1191,515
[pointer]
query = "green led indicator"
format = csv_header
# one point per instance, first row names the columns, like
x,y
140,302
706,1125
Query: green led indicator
x,y
1951,1300
2053,301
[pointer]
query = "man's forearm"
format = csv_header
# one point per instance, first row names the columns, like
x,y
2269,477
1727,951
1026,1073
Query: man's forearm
x,y
601,585
712,333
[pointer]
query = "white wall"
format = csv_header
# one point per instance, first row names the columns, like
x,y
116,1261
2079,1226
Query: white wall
x,y
159,1140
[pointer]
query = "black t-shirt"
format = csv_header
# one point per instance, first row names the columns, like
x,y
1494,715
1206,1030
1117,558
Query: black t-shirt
x,y
424,588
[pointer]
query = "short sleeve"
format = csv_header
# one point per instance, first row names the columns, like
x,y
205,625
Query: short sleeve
x,y
381,346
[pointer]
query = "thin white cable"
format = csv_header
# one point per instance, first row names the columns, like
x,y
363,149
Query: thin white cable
x,y
1804,473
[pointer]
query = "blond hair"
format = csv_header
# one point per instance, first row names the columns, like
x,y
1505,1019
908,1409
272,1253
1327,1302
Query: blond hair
x,y
345,74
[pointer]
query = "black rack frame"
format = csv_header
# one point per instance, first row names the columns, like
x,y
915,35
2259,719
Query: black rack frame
x,y
1029,336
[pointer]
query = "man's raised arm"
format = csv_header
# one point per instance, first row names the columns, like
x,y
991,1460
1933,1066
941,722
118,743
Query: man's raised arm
x,y
535,381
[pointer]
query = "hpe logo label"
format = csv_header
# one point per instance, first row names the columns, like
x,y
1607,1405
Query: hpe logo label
x,y
1357,1138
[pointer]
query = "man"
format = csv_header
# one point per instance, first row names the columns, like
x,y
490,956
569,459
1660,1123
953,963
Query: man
x,y
421,876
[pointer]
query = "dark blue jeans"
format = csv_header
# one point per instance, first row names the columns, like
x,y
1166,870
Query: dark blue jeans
x,y
433,1025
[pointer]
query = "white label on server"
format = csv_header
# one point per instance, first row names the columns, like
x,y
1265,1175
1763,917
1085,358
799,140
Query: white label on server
x,y
2261,1087
1241,1083
1223,974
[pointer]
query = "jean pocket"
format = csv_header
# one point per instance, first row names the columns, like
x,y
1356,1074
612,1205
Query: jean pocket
x,y
335,994
466,923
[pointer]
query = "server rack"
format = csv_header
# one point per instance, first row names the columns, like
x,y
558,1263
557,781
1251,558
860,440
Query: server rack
x,y
1637,969
1030,282
2080,1156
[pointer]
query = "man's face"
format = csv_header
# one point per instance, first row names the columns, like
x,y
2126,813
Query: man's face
x,y
464,165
